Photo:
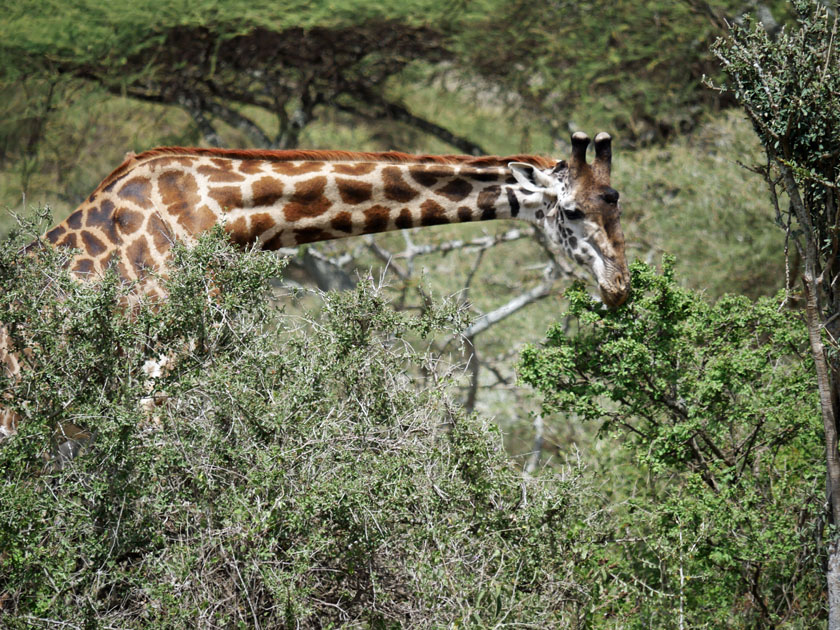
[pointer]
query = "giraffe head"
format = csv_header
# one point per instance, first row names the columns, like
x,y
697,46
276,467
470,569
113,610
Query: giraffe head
x,y
579,210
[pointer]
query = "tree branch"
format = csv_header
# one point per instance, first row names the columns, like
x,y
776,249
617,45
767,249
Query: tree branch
x,y
401,114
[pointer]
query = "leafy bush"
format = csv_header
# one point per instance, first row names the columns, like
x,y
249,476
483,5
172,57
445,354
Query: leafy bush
x,y
292,473
721,517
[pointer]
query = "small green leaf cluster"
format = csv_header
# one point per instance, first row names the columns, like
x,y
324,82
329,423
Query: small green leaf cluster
x,y
249,468
717,405
790,88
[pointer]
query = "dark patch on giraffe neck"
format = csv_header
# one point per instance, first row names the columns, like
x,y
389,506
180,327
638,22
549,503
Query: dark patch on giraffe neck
x,y
139,256
480,176
137,190
74,221
220,174
267,191
343,222
513,202
395,187
288,168
250,167
93,245
404,220
54,234
103,219
110,187
456,190
178,191
354,191
428,176
83,266
128,221
432,213
308,200
228,197
310,235
275,242
465,214
69,241
162,236
354,169
376,219
199,220
244,231
487,202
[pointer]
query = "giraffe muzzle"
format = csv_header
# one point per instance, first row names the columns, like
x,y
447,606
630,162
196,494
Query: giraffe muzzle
x,y
615,294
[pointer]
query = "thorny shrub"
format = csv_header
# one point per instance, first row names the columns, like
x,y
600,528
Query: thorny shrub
x,y
295,472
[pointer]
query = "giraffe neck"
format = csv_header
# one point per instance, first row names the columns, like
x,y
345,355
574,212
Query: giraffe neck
x,y
278,199
349,199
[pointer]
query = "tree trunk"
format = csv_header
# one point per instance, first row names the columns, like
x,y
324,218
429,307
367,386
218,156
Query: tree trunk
x,y
831,454
833,577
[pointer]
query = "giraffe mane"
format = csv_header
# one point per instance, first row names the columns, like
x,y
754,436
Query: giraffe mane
x,y
295,155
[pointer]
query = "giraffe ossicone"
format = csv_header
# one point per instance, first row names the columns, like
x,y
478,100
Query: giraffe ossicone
x,y
285,198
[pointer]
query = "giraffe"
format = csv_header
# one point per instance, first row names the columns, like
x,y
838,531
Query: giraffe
x,y
286,198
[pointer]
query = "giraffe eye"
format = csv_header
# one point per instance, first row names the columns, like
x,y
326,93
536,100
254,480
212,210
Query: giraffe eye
x,y
573,215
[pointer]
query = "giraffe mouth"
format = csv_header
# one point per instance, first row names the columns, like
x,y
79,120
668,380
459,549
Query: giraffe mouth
x,y
614,299
616,289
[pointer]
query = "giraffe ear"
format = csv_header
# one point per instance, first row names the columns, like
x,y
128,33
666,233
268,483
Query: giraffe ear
x,y
529,176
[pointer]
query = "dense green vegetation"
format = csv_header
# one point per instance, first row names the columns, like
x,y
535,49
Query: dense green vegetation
x,y
261,454
289,476
716,404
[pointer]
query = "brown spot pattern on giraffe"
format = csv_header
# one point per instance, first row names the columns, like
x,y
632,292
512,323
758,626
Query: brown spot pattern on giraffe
x,y
128,221
465,214
110,187
395,187
238,231
479,176
288,168
93,245
353,191
69,241
275,241
103,218
138,256
198,221
220,175
54,234
137,190
428,176
404,220
162,236
250,167
267,191
432,213
84,265
354,169
74,221
376,219
487,202
309,235
165,162
243,232
456,190
228,197
308,200
178,191
343,222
